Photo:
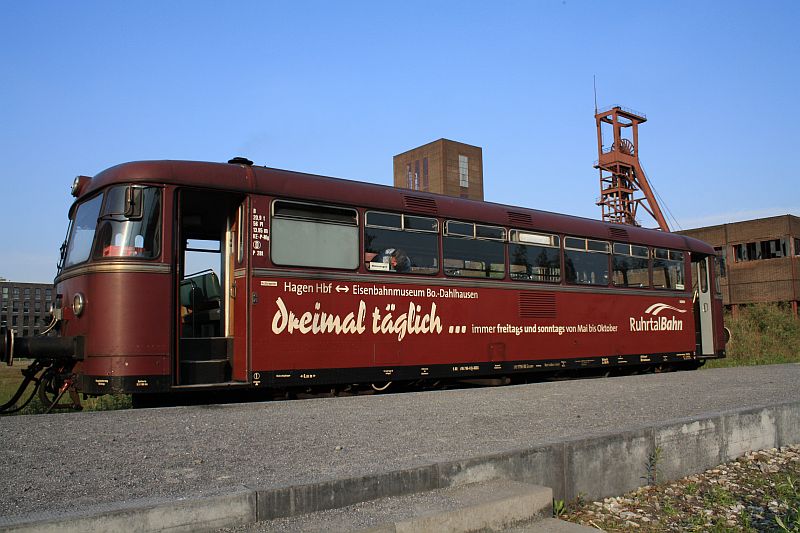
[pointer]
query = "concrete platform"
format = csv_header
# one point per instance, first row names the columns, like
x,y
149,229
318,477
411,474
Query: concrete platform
x,y
184,469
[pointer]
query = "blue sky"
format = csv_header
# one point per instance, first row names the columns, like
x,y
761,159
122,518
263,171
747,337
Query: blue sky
x,y
338,88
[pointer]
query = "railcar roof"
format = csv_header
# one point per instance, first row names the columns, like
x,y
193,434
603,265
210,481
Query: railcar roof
x,y
291,184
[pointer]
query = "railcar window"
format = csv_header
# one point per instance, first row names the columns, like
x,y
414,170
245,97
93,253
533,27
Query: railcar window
x,y
463,229
314,235
401,243
703,276
586,261
668,269
384,220
490,232
468,256
241,231
534,257
321,213
119,236
597,246
82,231
631,265
420,223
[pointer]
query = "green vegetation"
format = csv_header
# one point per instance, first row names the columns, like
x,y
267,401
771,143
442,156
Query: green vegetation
x,y
11,378
761,334
652,467
758,492
789,491
559,508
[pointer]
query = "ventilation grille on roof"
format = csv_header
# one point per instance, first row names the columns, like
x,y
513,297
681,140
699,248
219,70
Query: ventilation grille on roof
x,y
618,234
517,218
420,204
537,305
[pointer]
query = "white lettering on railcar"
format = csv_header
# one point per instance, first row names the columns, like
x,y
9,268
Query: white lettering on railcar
x,y
660,323
410,318
318,321
653,322
415,321
412,322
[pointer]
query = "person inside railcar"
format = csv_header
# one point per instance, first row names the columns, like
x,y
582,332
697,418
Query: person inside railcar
x,y
397,260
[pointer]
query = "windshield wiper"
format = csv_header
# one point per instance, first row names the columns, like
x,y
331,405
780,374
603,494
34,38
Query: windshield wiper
x,y
62,256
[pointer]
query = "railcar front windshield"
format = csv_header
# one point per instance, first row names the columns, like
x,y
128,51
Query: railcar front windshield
x,y
81,234
108,226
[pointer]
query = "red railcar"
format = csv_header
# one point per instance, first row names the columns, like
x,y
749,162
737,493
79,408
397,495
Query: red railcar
x,y
182,275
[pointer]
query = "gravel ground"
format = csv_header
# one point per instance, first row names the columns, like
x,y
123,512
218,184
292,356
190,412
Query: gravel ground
x,y
751,493
63,462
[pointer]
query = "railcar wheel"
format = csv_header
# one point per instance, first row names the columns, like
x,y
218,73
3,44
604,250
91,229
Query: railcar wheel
x,y
50,386
55,382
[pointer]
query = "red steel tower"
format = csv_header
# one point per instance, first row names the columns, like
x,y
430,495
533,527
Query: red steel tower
x,y
621,174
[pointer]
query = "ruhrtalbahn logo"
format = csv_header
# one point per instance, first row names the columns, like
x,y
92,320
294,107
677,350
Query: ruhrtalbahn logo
x,y
658,323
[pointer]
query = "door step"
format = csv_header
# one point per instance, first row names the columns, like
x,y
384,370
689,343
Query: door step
x,y
205,360
205,371
205,348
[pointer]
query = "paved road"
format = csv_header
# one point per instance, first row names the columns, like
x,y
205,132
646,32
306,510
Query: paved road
x,y
64,462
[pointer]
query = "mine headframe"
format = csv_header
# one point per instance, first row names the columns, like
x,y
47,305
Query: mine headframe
x,y
621,173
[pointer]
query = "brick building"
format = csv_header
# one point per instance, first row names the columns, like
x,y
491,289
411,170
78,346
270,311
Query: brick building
x,y
23,306
761,259
443,167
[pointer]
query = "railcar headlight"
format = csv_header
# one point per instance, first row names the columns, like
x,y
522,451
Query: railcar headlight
x,y
78,304
78,185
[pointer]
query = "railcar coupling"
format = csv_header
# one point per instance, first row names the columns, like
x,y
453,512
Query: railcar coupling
x,y
50,374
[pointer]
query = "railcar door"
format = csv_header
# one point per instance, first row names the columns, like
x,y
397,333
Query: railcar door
x,y
703,308
211,314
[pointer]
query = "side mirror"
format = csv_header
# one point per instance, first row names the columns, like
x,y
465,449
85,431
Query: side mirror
x,y
133,202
